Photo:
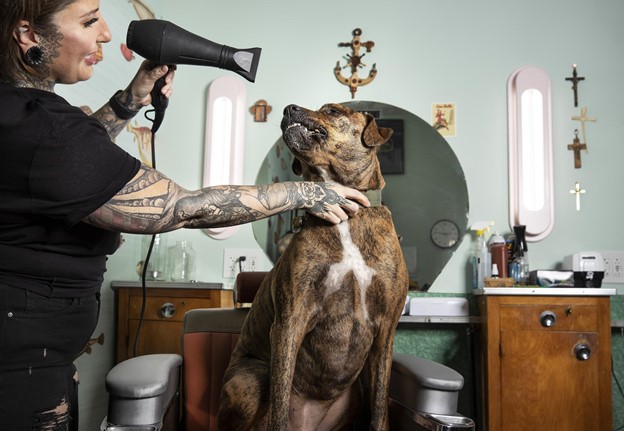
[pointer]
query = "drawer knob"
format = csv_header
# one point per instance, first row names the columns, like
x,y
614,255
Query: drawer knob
x,y
582,351
548,319
167,310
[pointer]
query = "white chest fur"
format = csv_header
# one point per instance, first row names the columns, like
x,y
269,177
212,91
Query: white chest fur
x,y
352,261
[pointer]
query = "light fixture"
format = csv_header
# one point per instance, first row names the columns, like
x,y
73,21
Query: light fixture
x,y
530,152
224,139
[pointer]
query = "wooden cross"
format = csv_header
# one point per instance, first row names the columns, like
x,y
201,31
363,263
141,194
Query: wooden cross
x,y
578,192
575,80
576,146
583,118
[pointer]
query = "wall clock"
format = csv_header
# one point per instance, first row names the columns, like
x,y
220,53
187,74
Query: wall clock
x,y
444,233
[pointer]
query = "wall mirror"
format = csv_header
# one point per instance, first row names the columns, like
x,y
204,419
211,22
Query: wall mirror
x,y
425,190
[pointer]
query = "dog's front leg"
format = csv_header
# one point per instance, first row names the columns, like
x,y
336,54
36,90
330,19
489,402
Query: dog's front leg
x,y
287,334
380,367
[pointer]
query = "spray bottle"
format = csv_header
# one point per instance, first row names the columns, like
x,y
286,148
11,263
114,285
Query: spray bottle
x,y
480,258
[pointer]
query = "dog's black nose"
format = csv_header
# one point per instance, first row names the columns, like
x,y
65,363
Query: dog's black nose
x,y
291,108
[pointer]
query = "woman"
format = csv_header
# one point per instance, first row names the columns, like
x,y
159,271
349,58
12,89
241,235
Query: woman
x,y
66,191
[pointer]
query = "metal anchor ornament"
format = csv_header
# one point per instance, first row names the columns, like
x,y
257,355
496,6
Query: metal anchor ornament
x,y
354,61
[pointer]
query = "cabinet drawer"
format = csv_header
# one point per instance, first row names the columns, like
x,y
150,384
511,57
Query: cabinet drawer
x,y
567,317
154,306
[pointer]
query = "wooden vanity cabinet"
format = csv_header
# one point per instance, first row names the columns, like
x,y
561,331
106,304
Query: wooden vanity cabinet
x,y
165,306
546,363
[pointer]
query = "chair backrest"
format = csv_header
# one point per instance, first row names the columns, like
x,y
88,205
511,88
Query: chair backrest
x,y
209,336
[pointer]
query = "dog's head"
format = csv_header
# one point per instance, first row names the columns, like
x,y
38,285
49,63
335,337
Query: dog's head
x,y
335,143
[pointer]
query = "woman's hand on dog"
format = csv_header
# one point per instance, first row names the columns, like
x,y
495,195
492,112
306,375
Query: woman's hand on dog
x,y
338,203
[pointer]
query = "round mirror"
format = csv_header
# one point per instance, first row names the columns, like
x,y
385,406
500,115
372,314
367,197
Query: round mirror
x,y
425,191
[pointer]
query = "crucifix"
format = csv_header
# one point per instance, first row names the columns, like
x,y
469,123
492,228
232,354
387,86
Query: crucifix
x,y
583,118
578,192
576,146
575,80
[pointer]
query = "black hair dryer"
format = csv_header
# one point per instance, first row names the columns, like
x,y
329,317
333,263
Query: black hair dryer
x,y
163,42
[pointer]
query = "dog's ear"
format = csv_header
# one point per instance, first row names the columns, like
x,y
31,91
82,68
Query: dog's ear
x,y
374,136
296,167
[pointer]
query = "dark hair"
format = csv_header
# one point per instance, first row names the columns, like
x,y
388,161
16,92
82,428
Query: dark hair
x,y
40,14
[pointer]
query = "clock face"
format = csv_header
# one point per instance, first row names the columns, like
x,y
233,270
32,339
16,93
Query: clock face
x,y
444,233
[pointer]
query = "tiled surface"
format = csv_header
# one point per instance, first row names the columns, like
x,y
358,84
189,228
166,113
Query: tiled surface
x,y
617,349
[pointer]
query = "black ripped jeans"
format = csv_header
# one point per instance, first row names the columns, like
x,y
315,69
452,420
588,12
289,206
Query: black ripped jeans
x,y
39,339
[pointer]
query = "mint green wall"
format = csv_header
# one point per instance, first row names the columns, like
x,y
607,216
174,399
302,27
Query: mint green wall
x,y
426,52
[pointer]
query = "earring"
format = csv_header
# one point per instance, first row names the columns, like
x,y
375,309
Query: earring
x,y
34,56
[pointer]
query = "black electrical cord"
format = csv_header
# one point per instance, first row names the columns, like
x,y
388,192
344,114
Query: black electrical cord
x,y
151,246
144,293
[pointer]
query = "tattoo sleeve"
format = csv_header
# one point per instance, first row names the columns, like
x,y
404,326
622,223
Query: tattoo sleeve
x,y
113,124
152,203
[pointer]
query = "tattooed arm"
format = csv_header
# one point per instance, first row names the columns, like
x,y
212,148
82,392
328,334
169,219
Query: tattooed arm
x,y
111,122
152,203
135,97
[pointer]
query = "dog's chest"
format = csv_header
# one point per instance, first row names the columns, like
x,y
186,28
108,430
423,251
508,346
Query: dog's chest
x,y
353,265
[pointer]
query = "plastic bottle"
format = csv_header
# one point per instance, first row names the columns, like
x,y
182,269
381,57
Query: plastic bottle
x,y
182,262
498,250
480,257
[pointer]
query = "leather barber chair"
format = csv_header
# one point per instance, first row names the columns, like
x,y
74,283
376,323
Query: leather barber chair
x,y
143,391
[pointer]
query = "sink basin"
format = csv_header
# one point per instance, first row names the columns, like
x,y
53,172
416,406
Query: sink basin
x,y
438,306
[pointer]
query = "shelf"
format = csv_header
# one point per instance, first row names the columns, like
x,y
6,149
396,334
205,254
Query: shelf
x,y
546,291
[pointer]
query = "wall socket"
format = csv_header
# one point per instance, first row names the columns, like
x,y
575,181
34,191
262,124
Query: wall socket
x,y
236,258
613,263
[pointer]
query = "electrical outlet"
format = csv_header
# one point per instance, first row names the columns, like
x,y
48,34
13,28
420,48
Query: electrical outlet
x,y
613,261
237,259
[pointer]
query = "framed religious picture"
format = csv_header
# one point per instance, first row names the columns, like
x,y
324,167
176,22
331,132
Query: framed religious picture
x,y
391,154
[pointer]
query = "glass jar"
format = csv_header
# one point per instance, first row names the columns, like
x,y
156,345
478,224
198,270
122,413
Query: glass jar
x,y
157,265
182,262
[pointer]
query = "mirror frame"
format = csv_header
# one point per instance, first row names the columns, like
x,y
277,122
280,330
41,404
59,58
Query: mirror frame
x,y
530,152
224,139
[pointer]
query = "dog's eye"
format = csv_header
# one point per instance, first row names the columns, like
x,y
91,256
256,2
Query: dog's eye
x,y
332,111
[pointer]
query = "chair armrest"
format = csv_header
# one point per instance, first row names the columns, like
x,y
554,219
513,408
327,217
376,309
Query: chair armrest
x,y
142,388
142,377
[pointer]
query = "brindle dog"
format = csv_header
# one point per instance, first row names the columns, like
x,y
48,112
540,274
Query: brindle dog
x,y
330,305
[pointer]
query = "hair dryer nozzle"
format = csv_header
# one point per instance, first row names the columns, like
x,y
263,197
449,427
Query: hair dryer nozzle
x,y
163,42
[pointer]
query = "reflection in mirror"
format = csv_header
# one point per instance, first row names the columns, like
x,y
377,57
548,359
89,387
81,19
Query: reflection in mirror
x,y
425,191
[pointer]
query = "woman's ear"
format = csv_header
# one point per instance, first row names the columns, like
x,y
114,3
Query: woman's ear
x,y
24,35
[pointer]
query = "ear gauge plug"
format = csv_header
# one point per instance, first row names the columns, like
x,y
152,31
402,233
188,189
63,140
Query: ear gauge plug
x,y
34,56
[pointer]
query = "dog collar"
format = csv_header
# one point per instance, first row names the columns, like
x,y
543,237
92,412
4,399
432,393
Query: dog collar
x,y
374,196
